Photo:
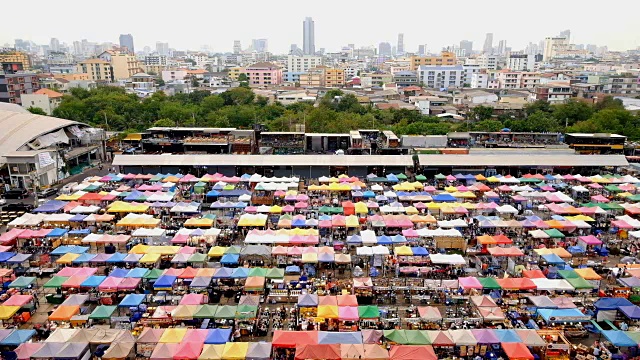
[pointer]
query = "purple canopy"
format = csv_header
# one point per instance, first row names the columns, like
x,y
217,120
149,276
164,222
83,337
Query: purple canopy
x,y
632,312
485,336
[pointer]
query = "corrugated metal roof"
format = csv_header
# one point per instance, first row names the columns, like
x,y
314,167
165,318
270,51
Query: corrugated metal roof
x,y
522,160
20,128
262,160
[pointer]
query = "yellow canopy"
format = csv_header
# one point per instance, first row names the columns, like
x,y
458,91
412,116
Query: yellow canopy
x,y
580,217
173,335
235,350
361,208
206,272
67,258
150,259
310,258
139,249
275,209
7,312
403,250
199,222
122,207
351,221
185,312
588,274
493,179
217,251
163,250
212,352
411,210
328,311
451,189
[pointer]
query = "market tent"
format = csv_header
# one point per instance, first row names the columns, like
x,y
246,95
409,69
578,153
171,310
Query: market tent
x,y
371,336
611,303
396,336
172,335
409,352
308,300
259,351
463,337
62,335
150,336
516,351
507,335
483,301
327,337
218,336
72,350
563,315
188,350
64,313
632,312
164,351
375,352
118,350
48,350
485,336
352,351
235,350
18,337
206,311
26,350
440,338
103,312
318,351
417,337
226,312
132,300
369,312
619,338
290,339
530,337
489,283
22,282
542,302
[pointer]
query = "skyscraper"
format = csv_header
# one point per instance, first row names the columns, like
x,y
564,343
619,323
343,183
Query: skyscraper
x,y
308,37
488,44
260,45
502,47
54,45
400,46
126,40
237,48
384,49
566,34
467,46
162,48
422,50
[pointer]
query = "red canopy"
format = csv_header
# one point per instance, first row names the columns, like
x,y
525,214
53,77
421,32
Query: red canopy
x,y
412,352
319,351
291,339
533,274
516,351
516,284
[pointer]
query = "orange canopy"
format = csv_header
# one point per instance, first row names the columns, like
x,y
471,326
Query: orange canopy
x,y
64,312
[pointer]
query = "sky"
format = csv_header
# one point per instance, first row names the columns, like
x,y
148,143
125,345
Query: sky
x,y
191,25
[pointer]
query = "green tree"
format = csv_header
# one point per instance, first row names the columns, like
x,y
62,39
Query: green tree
x,y
244,80
164,123
609,102
481,113
212,103
194,82
538,105
572,112
36,110
238,96
488,125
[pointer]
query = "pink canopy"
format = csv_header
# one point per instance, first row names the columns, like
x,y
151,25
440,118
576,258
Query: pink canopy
x,y
348,313
196,335
620,224
451,178
129,284
469,283
595,186
110,284
192,299
180,239
294,251
187,250
347,300
590,240
279,250
165,351
600,198
410,233
85,271
173,272
11,235
18,300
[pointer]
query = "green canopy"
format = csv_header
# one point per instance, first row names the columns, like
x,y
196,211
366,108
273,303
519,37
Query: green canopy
x,y
153,274
529,180
568,274
489,283
368,312
579,283
210,216
234,249
440,177
156,178
610,206
258,272
103,312
206,311
197,258
56,282
401,176
417,337
554,233
331,209
613,188
396,336
246,311
634,197
275,273
225,312
199,187
377,179
22,282
421,178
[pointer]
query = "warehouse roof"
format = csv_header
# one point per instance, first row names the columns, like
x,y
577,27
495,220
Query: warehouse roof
x,y
522,160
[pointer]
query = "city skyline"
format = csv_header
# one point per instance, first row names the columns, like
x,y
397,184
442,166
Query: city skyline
x,y
285,30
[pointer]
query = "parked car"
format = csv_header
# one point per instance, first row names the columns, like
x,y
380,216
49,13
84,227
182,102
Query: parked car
x,y
47,192
16,194
18,207
3,202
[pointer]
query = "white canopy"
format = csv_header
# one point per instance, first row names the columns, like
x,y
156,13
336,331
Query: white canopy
x,y
449,259
552,284
368,237
506,209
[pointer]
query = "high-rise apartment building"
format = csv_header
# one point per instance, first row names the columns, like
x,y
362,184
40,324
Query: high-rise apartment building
x,y
260,45
54,45
488,44
467,46
400,45
384,49
502,47
11,61
126,40
308,37
162,48
237,48
566,34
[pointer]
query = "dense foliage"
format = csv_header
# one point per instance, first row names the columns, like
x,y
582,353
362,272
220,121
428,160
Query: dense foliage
x,y
113,109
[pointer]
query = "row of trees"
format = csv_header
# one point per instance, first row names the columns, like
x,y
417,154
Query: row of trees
x,y
113,109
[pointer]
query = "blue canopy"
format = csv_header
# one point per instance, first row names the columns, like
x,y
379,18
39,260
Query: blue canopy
x,y
384,240
234,193
354,239
507,335
553,259
230,259
118,272
397,239
292,269
575,249
213,193
18,337
57,232
469,177
392,177
117,257
132,300
73,249
223,273
165,281
563,315
137,273
218,336
83,258
619,338
50,206
78,217
632,312
19,258
368,194
444,197
93,281
240,273
329,337
135,195
78,232
459,176
419,251
4,256
611,303
200,282
298,222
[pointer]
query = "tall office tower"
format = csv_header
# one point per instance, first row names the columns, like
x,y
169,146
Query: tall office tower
x,y
567,35
237,48
488,44
54,45
384,49
260,45
502,47
77,48
400,46
162,48
422,50
126,40
308,37
467,46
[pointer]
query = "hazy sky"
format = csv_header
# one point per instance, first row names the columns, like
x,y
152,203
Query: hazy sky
x,y
189,25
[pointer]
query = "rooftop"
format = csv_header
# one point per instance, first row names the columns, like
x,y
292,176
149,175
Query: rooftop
x,y
50,93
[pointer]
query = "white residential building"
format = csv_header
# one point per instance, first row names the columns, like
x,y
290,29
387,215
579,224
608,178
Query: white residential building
x,y
441,77
160,60
302,63
173,75
469,70
479,80
521,62
554,46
